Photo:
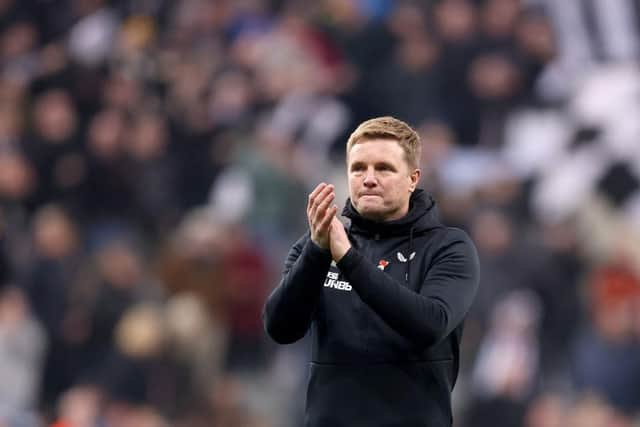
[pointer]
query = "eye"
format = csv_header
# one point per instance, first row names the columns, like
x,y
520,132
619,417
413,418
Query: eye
x,y
357,167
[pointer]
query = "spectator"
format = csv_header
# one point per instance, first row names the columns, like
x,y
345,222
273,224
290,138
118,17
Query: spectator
x,y
50,285
151,174
614,294
22,348
55,150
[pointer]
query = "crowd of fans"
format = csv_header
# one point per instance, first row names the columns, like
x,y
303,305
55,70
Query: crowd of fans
x,y
155,160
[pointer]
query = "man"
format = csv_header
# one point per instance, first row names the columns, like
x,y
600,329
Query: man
x,y
385,299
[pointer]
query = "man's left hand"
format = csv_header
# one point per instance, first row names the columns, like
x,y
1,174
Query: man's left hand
x,y
338,240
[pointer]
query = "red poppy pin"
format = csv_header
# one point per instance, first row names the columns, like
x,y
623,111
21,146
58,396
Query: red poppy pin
x,y
382,264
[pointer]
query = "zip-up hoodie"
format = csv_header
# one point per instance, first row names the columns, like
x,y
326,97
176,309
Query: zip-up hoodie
x,y
386,320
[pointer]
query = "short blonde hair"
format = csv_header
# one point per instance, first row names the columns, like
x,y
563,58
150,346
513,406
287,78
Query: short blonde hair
x,y
388,127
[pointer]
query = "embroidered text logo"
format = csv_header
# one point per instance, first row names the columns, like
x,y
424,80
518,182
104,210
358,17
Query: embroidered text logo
x,y
332,282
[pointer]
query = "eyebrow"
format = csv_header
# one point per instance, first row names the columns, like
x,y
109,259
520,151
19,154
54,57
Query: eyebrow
x,y
386,165
377,165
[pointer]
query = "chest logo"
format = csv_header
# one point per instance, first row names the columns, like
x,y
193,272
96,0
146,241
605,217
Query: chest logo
x,y
332,282
402,258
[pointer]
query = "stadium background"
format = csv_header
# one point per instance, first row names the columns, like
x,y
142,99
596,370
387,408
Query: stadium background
x,y
155,158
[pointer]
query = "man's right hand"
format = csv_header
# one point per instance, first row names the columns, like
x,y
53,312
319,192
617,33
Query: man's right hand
x,y
320,213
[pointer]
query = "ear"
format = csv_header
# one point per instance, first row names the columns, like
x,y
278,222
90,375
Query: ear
x,y
415,178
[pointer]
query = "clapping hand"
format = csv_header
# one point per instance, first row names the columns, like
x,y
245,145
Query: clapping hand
x,y
320,213
326,229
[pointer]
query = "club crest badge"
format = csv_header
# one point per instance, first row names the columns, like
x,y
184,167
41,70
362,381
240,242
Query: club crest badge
x,y
402,258
382,264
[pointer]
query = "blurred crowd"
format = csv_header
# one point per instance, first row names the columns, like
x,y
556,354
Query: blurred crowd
x,y
155,160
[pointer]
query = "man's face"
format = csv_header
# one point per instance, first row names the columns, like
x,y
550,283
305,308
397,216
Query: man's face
x,y
380,179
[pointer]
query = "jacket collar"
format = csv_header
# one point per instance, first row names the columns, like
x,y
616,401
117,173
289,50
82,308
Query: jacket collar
x,y
421,217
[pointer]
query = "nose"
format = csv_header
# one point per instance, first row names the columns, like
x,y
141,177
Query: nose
x,y
370,179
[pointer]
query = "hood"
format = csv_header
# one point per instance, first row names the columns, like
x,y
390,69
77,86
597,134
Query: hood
x,y
422,216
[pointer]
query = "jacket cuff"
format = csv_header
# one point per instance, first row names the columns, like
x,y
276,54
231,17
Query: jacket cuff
x,y
315,254
349,261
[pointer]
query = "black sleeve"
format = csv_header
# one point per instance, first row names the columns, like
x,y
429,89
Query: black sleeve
x,y
291,306
444,298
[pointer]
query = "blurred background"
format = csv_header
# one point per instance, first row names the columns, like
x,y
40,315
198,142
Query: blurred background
x,y
156,156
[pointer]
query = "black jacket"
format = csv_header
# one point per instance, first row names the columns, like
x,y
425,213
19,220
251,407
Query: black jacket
x,y
386,321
